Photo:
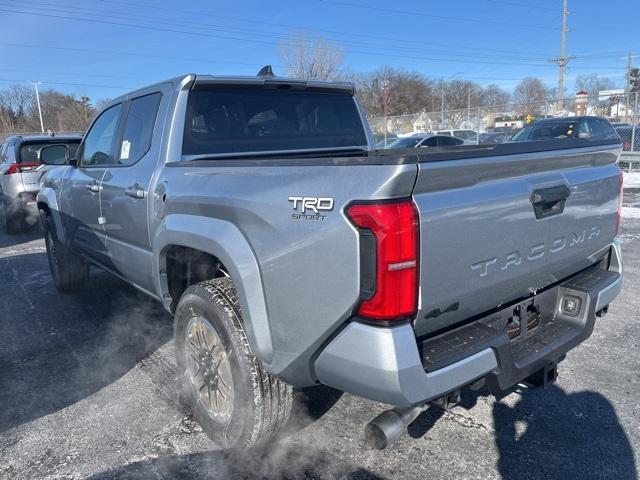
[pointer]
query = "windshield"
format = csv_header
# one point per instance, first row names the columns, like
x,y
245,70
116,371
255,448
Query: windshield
x,y
29,151
407,142
546,131
464,134
223,120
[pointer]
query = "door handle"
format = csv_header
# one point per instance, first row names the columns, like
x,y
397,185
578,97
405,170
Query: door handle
x,y
94,187
549,201
135,191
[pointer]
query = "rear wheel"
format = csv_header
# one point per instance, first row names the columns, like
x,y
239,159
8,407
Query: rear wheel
x,y
69,270
235,400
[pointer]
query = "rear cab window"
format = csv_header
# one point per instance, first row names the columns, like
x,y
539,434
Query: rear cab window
x,y
224,120
138,130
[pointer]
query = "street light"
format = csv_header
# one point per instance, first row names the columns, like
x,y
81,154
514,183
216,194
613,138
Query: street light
x,y
385,105
442,98
35,84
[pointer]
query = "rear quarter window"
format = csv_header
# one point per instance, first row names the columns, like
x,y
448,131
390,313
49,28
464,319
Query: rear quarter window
x,y
227,120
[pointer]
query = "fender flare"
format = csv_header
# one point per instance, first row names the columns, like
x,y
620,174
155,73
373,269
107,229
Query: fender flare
x,y
223,240
47,196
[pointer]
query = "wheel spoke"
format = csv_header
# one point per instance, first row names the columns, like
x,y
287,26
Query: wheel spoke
x,y
203,331
210,397
208,367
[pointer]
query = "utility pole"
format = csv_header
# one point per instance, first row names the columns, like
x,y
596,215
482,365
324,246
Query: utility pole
x,y
563,59
442,106
35,84
629,65
385,100
468,106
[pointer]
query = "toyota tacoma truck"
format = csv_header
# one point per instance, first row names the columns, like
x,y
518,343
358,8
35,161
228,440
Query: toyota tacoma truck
x,y
292,253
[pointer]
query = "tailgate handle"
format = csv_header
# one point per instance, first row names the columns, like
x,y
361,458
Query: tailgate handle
x,y
550,201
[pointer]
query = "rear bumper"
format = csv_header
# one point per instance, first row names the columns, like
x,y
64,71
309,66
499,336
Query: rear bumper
x,y
389,365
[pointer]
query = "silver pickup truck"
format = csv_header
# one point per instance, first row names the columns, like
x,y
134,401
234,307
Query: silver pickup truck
x,y
291,253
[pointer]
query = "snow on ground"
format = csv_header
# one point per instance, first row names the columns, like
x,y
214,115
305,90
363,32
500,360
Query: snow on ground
x,y
632,180
631,211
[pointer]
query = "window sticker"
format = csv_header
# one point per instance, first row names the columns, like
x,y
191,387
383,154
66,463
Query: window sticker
x,y
124,151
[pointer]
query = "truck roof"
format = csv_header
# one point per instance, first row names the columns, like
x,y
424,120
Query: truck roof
x,y
192,79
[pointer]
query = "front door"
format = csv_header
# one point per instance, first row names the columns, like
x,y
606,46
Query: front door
x,y
81,196
125,191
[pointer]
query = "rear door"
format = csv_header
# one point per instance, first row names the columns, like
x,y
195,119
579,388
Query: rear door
x,y
125,189
80,197
487,237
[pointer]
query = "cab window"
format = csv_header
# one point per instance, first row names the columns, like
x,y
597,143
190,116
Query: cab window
x,y
99,141
138,130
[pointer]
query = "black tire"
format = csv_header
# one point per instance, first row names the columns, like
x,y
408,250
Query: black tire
x,y
69,271
261,402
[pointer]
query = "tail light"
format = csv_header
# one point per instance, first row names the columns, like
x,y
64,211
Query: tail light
x,y
619,215
395,230
21,167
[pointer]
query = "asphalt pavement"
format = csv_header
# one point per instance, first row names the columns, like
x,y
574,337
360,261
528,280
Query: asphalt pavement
x,y
87,390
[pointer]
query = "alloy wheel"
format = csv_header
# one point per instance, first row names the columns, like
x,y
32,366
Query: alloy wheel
x,y
208,368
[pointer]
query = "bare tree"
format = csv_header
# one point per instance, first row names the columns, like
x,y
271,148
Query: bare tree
x,y
529,95
60,111
592,84
458,96
493,95
21,99
7,116
400,91
311,58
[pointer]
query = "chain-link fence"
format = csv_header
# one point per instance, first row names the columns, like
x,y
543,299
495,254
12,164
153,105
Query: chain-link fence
x,y
497,123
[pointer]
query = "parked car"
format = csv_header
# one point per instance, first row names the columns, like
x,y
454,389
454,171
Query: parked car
x,y
625,134
427,140
493,137
463,134
20,172
380,140
593,128
292,253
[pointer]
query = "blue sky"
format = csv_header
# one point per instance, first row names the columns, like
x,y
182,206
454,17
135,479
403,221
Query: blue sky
x,y
103,48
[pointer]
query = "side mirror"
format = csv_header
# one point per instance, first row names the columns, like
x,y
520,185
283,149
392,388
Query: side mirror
x,y
54,155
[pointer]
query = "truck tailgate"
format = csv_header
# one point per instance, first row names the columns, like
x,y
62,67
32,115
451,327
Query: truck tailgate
x,y
483,241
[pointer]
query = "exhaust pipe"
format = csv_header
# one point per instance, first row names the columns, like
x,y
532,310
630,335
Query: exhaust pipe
x,y
390,425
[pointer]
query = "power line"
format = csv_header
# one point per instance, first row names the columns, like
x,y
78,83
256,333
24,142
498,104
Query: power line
x,y
306,28
525,5
141,55
441,17
252,40
75,74
162,21
18,80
